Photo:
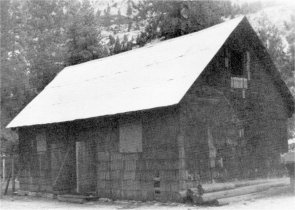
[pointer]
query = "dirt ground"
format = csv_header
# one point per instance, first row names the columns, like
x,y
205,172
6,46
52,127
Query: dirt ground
x,y
279,198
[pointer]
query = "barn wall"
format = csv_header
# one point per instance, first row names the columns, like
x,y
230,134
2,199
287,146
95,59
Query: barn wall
x,y
268,119
26,160
211,133
147,175
150,174
48,167
160,158
255,125
34,169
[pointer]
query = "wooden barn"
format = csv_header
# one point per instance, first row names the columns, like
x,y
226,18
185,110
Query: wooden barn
x,y
145,124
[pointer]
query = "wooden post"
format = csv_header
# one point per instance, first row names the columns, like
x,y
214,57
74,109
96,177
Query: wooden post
x,y
13,173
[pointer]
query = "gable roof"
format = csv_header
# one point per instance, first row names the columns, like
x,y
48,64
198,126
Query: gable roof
x,y
149,77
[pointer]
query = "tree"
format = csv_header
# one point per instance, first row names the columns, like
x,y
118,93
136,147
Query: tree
x,y
83,35
34,47
290,37
271,37
14,68
172,19
44,40
116,45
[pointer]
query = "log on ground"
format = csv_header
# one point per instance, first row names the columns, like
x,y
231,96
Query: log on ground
x,y
207,197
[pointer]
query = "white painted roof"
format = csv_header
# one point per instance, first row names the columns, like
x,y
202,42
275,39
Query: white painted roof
x,y
157,75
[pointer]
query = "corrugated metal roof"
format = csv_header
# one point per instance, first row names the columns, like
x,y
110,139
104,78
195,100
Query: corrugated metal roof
x,y
153,76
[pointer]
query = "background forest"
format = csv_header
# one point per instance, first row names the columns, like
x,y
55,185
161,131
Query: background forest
x,y
41,37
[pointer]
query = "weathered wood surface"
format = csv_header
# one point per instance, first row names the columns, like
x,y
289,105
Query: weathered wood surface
x,y
221,192
242,190
227,186
225,201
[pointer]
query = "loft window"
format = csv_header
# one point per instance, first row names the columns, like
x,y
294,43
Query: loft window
x,y
236,64
239,67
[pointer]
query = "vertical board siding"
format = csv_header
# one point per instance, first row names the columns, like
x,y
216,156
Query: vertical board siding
x,y
131,175
260,111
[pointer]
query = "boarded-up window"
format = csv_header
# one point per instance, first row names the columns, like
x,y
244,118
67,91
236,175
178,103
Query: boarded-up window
x,y
130,136
41,142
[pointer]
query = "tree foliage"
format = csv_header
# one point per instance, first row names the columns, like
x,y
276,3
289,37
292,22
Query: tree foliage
x,y
83,35
38,39
175,18
290,37
44,40
270,35
14,67
290,75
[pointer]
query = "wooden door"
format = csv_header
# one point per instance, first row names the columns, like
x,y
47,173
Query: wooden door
x,y
63,167
86,166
